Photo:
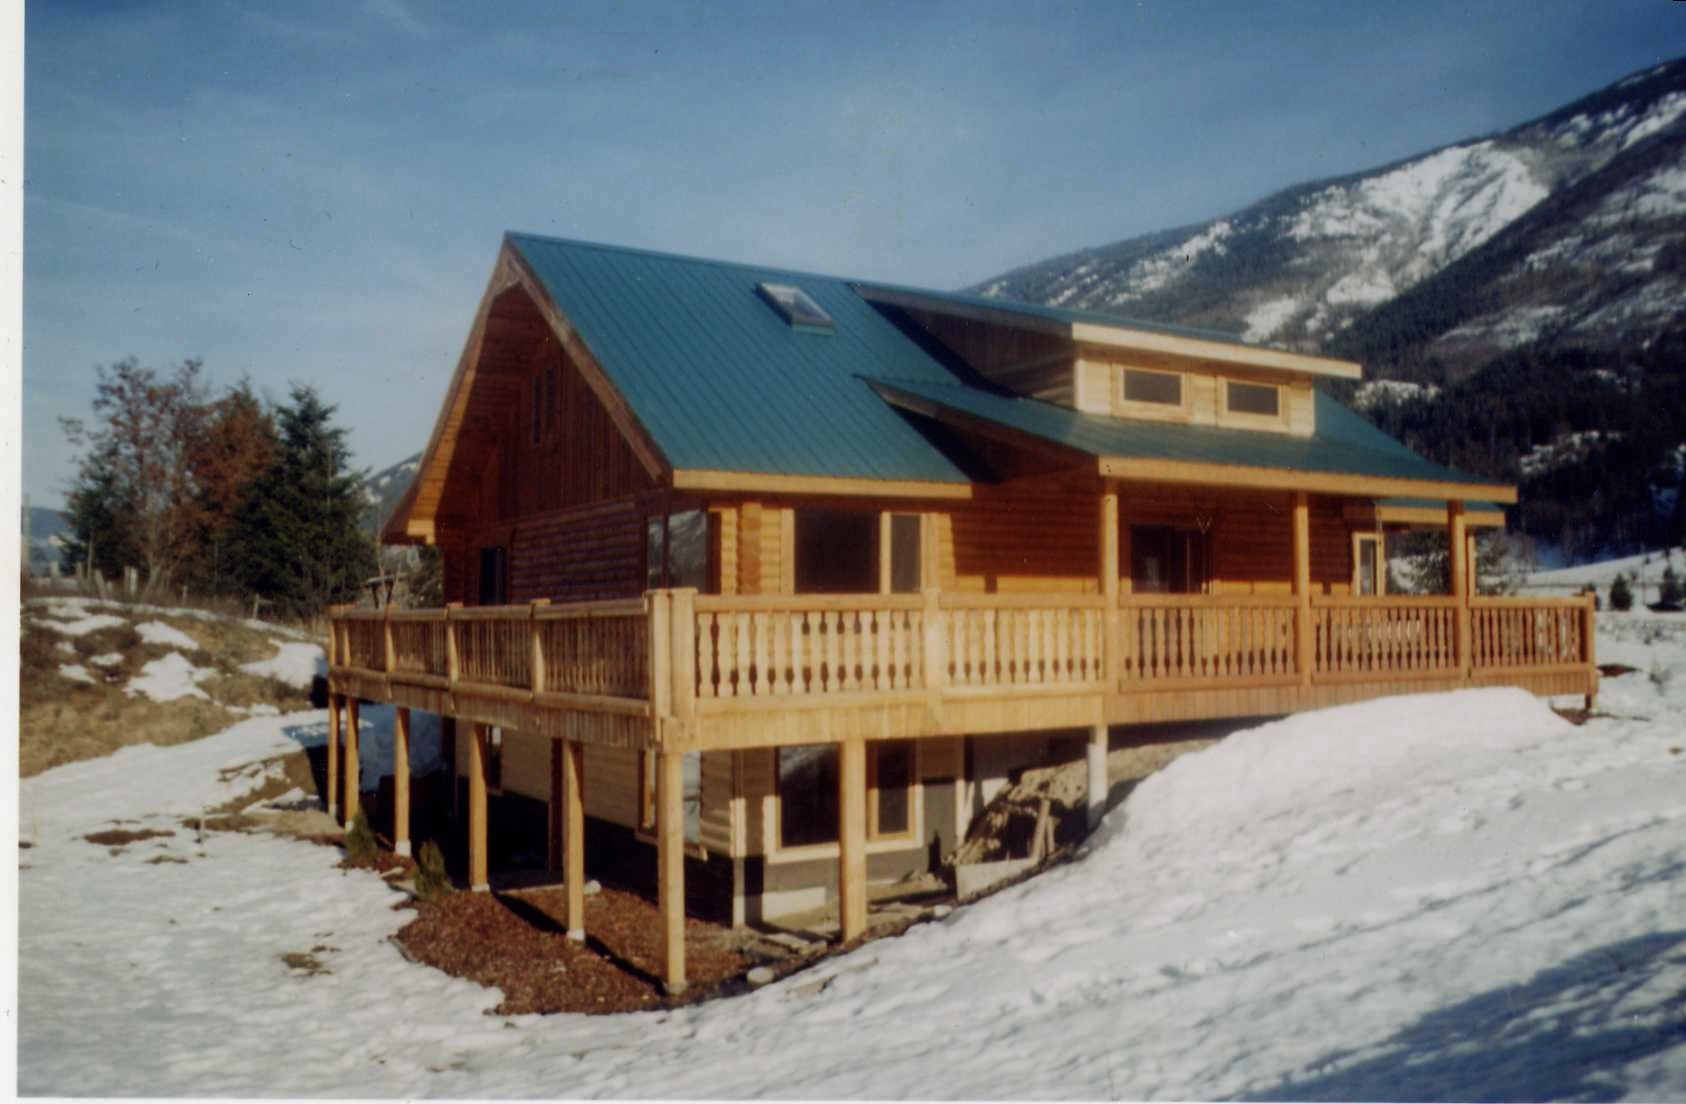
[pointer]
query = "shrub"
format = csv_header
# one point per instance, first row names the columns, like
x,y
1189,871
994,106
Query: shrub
x,y
1672,590
360,846
431,881
1621,597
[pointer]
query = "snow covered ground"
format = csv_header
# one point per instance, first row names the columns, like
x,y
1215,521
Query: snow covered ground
x,y
1435,897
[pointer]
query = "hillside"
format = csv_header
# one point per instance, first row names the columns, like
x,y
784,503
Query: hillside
x,y
1520,296
1433,897
383,489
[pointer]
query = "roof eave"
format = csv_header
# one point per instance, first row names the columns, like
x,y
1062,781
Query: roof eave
x,y
1136,469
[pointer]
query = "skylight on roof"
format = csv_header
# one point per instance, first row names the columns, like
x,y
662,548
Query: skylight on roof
x,y
796,307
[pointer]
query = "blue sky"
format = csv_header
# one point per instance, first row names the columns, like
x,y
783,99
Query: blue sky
x,y
316,192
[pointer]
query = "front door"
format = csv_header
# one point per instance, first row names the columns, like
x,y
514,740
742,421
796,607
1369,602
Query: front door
x,y
494,576
1167,560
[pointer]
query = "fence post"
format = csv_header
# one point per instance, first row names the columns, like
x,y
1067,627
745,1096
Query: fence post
x,y
537,674
1305,630
452,662
1458,562
935,643
683,624
391,653
1588,626
661,654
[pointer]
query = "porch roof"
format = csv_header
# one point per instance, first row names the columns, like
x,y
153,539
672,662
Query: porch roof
x,y
1346,454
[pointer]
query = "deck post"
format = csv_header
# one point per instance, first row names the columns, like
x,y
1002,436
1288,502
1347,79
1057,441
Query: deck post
x,y
682,667
1097,775
477,755
1304,632
401,781
1589,645
851,850
573,834
1458,561
336,704
670,865
1111,626
536,662
353,779
661,655
452,663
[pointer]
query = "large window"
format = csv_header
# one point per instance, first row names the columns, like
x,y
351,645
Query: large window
x,y
1262,399
676,550
836,552
904,554
808,777
1159,388
890,789
1367,564
808,792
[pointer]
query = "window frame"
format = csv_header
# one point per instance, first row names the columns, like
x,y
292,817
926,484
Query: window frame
x,y
1126,403
1379,577
1251,417
773,845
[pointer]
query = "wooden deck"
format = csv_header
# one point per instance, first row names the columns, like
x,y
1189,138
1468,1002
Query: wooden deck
x,y
675,671
683,671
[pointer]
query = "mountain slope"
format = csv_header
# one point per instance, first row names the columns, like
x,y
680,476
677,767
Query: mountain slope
x,y
1301,266
383,489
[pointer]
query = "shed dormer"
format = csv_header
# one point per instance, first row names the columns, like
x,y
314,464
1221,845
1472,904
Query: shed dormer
x,y
1130,370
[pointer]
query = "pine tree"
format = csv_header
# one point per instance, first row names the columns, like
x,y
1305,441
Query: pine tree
x,y
1621,596
296,540
1671,591
97,539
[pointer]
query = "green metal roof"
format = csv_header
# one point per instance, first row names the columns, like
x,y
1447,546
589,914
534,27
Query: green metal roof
x,y
722,382
1344,443
1063,315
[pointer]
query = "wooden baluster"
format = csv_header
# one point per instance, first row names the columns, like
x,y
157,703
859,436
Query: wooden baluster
x,y
798,651
984,629
881,649
745,642
705,654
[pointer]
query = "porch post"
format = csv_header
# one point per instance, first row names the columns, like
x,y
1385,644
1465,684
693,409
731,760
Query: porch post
x,y
1458,561
336,703
1304,637
477,755
573,834
401,781
1111,640
1097,774
851,838
670,866
352,777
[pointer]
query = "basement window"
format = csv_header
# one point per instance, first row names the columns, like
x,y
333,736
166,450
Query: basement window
x,y
807,788
796,307
1253,398
1159,388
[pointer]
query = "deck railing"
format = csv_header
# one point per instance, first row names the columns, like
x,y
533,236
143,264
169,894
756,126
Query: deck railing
x,y
669,649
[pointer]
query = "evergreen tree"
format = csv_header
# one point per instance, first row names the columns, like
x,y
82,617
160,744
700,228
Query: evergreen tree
x,y
1671,590
296,540
97,538
1621,596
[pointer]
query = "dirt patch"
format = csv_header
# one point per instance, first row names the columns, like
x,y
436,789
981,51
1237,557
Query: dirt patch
x,y
1615,670
122,837
517,942
304,962
160,860
227,822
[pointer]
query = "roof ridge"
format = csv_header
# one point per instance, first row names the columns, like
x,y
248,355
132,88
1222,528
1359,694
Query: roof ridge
x,y
662,255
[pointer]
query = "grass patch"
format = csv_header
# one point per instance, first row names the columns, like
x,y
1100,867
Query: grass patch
x,y
122,837
160,860
63,721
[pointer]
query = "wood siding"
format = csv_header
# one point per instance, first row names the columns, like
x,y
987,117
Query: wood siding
x,y
1203,395
578,555
1029,537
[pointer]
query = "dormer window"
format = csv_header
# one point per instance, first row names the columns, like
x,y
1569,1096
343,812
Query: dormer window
x,y
1159,388
796,307
1261,399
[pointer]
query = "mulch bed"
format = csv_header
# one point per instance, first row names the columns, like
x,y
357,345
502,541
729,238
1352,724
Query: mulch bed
x,y
518,943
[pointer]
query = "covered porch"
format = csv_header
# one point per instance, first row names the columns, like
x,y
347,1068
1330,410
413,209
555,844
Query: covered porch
x,y
674,671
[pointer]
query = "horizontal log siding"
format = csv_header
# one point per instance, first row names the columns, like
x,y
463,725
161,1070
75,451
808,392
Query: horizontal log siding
x,y
583,554
1046,539
1253,548
611,785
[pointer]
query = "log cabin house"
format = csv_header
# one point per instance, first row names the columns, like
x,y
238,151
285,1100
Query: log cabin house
x,y
835,556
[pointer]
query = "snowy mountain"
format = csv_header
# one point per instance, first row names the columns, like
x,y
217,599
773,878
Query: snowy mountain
x,y
383,489
1576,221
